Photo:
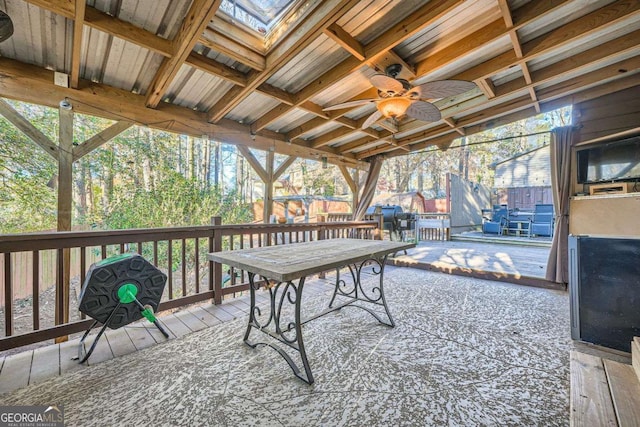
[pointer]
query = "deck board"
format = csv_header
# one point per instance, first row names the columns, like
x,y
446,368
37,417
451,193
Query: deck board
x,y
15,371
119,342
218,312
191,321
204,316
174,326
45,363
101,353
68,356
591,403
625,392
140,337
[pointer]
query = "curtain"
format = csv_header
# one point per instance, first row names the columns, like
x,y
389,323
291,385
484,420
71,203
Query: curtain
x,y
369,188
557,265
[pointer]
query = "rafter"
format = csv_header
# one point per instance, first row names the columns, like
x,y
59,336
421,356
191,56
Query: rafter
x,y
76,49
326,13
198,17
378,49
234,50
345,40
563,90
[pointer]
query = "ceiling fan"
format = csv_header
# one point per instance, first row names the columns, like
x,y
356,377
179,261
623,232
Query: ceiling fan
x,y
398,98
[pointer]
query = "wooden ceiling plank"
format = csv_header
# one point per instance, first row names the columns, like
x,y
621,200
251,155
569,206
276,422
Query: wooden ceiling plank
x,y
345,40
216,68
326,13
29,129
100,139
198,17
231,48
76,48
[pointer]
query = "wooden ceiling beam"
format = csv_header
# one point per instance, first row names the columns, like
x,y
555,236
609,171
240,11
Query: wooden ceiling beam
x,y
308,30
216,68
76,47
561,91
198,17
487,34
345,40
117,104
354,145
26,127
606,16
253,162
100,139
378,47
442,142
231,48
284,165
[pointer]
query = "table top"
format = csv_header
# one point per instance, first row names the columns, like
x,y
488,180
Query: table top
x,y
288,262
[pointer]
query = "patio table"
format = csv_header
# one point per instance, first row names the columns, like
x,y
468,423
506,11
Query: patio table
x,y
284,269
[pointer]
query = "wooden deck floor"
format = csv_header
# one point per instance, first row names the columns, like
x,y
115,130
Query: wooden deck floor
x,y
514,263
502,262
34,366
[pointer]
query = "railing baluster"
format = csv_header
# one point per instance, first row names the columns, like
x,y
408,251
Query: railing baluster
x,y
184,267
103,251
232,270
170,268
155,253
139,248
35,289
197,264
83,271
8,296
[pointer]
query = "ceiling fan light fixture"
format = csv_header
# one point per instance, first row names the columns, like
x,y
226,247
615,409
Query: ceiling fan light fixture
x,y
6,26
394,107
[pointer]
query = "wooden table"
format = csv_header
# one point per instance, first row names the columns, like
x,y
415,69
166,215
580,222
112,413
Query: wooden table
x,y
284,269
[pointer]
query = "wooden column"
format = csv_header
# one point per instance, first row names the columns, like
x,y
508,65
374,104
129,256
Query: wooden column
x,y
353,183
65,204
268,187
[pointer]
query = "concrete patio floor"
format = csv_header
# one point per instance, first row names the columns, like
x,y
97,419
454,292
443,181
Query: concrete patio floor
x,y
463,352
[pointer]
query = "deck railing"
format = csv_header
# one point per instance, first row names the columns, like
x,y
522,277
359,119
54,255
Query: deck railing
x,y
433,226
180,252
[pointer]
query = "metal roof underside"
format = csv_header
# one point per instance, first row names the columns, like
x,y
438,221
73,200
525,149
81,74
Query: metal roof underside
x,y
183,66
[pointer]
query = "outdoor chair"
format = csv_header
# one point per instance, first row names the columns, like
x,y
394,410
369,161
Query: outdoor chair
x,y
497,222
542,221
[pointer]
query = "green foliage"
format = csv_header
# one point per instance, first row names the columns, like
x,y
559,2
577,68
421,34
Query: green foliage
x,y
177,202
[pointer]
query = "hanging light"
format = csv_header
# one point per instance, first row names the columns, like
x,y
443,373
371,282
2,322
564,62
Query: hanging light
x,y
6,26
394,107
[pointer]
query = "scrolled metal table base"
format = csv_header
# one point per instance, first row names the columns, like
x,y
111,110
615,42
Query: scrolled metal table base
x,y
279,324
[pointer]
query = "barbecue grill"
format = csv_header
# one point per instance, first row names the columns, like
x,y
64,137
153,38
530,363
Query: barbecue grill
x,y
394,220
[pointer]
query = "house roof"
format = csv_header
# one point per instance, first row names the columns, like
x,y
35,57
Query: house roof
x,y
185,66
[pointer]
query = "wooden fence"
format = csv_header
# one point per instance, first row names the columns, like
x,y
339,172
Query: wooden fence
x,y
180,252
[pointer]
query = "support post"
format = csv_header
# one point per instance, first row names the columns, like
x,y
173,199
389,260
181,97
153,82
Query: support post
x,y
65,197
268,187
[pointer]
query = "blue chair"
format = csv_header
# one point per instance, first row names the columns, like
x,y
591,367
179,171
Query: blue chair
x,y
497,222
542,222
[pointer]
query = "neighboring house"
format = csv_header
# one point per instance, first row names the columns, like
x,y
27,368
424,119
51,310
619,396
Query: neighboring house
x,y
524,180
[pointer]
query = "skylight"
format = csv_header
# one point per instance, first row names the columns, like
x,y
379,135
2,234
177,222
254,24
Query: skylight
x,y
259,15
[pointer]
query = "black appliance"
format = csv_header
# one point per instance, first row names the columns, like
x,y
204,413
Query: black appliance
x,y
604,286
394,220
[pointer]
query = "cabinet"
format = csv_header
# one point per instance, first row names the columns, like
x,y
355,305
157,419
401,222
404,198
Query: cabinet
x,y
605,215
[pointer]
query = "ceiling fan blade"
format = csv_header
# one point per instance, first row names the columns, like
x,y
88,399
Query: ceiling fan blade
x,y
442,88
386,83
349,104
372,119
424,111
